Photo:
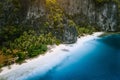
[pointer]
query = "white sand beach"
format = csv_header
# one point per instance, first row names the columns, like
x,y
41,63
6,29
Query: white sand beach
x,y
43,63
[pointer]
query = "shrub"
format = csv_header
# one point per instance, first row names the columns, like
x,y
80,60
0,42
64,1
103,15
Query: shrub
x,y
36,50
101,1
21,56
85,30
4,49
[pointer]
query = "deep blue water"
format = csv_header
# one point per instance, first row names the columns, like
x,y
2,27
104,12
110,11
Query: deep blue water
x,y
101,61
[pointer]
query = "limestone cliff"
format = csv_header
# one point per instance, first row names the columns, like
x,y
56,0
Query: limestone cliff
x,y
104,16
35,13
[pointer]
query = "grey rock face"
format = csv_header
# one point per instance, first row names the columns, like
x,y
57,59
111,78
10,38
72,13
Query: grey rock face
x,y
69,35
36,9
11,13
107,17
104,16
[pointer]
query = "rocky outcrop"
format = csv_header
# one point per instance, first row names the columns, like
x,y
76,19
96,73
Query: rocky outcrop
x,y
70,35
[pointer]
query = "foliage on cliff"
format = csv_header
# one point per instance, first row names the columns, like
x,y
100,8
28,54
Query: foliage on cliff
x,y
18,40
103,1
21,39
54,17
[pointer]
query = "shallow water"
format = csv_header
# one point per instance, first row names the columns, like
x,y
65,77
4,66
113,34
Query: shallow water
x,y
96,60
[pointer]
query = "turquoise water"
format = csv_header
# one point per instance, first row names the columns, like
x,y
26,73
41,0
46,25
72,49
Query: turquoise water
x,y
101,61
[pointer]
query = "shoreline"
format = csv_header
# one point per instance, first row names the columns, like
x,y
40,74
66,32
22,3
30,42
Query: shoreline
x,y
44,63
109,33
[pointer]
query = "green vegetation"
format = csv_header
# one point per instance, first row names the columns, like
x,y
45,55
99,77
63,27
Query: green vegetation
x,y
28,45
82,30
19,41
101,1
